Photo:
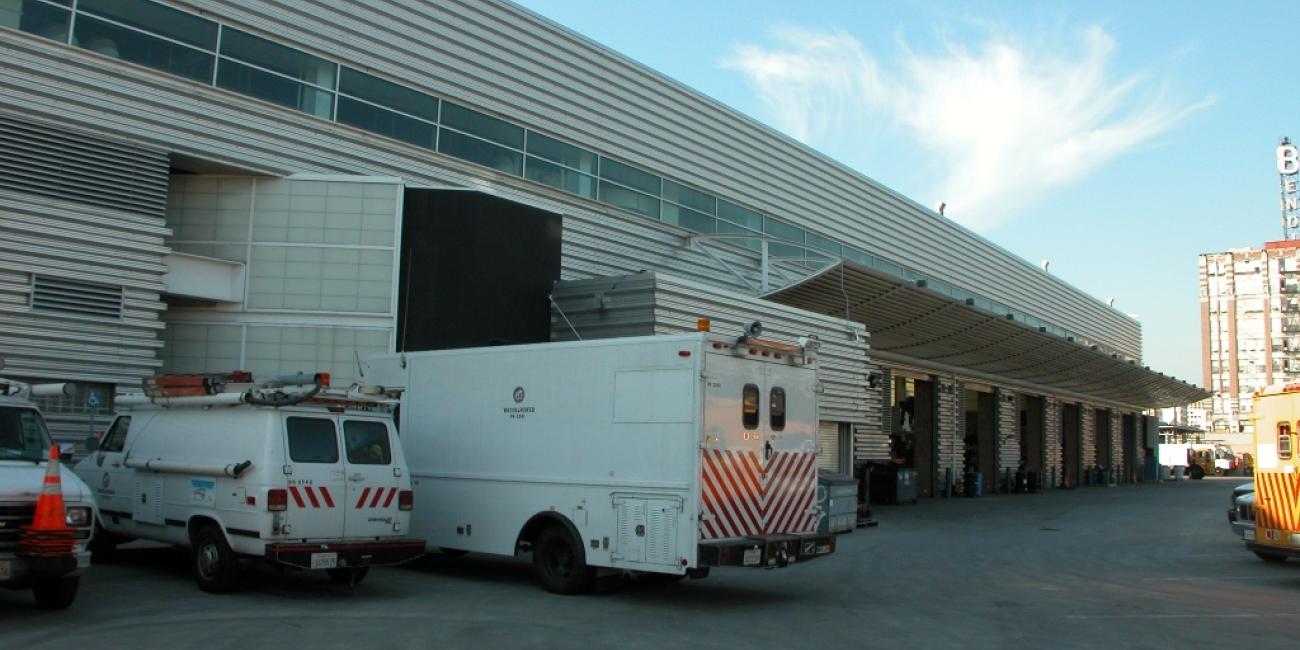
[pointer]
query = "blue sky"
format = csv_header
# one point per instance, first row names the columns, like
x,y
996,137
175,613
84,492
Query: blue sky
x,y
1116,139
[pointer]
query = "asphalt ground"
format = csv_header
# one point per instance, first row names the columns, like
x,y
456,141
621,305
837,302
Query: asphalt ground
x,y
1151,565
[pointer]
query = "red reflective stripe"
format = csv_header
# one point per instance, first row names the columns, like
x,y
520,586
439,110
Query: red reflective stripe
x,y
329,502
379,492
392,492
297,498
362,501
311,494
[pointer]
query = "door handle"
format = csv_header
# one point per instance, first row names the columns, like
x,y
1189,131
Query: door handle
x,y
357,478
116,464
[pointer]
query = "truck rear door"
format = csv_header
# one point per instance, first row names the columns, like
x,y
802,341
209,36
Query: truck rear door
x,y
790,471
315,476
372,483
734,451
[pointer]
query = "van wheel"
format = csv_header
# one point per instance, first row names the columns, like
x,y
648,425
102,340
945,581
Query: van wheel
x,y
1270,557
216,568
559,564
352,576
56,593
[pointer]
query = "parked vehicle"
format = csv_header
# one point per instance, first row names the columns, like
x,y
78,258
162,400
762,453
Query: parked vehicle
x,y
1243,521
282,470
50,567
1277,474
1212,460
668,454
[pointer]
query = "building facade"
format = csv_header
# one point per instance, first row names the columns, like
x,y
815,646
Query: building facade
x,y
282,186
1250,329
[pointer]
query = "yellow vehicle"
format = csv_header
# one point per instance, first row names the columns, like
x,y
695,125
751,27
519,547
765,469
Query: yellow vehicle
x,y
1277,474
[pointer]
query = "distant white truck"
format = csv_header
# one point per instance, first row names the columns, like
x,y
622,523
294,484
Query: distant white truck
x,y
24,449
667,454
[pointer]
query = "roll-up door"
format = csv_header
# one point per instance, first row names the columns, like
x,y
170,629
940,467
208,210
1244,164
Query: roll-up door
x,y
828,446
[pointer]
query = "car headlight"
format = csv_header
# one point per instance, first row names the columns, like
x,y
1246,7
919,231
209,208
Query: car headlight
x,y
77,516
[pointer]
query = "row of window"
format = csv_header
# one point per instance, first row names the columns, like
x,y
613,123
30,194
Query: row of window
x,y
749,407
167,39
311,440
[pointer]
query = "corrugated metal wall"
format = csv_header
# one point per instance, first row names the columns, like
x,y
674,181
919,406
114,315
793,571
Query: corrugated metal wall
x,y
1008,431
87,210
650,303
1052,433
1088,440
951,434
503,59
871,436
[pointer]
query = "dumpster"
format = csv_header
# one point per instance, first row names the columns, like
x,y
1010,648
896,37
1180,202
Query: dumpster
x,y
892,484
837,495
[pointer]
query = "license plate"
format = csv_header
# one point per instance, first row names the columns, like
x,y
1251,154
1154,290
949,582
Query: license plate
x,y
1248,534
6,569
753,556
324,560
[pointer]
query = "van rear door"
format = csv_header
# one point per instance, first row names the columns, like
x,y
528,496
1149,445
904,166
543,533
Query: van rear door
x,y
732,462
315,477
372,482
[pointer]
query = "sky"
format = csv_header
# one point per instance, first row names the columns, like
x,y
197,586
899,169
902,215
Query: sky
x,y
1118,140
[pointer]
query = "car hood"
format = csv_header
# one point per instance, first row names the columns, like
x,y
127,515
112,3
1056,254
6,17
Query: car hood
x,y
22,481
1244,488
1247,499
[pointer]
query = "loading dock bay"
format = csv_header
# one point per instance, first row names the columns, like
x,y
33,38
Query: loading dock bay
x,y
1147,565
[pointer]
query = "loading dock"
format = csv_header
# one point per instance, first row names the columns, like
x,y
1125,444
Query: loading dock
x,y
1131,470
913,429
1033,453
981,443
1105,460
1071,445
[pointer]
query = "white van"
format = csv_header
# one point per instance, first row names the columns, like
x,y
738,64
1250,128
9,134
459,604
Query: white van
x,y
232,469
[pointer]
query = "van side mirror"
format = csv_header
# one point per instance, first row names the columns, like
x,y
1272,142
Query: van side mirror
x,y
65,453
92,443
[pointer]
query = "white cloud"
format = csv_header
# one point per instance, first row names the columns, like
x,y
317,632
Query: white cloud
x,y
1007,122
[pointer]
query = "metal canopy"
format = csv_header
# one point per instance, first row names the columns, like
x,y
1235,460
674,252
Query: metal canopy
x,y
913,325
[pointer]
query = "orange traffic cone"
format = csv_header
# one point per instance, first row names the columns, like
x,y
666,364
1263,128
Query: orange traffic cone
x,y
49,534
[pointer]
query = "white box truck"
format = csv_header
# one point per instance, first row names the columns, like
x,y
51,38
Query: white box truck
x,y
666,454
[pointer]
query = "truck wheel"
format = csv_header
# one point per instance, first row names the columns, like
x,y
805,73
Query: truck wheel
x,y
1269,557
559,564
216,568
56,593
1197,472
352,576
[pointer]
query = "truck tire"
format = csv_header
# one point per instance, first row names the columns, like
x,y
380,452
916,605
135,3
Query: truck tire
x,y
1270,557
216,567
1197,472
56,593
351,576
559,562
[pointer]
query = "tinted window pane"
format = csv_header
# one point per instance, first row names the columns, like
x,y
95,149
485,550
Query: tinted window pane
x,y
273,56
632,177
22,434
740,216
777,406
822,243
484,126
164,21
477,151
782,230
725,228
688,197
561,152
560,177
387,93
275,89
689,219
385,122
749,407
35,18
857,256
781,250
367,443
312,440
625,198
121,43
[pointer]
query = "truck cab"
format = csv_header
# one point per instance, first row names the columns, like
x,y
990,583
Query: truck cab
x,y
24,464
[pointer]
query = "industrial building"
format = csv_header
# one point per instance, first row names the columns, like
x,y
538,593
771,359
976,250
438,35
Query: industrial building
x,y
1250,332
281,185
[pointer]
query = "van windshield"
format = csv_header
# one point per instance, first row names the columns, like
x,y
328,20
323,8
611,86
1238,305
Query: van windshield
x,y
22,434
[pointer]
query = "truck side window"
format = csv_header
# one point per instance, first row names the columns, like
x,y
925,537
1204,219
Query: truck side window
x,y
1284,440
749,407
312,440
115,439
367,443
777,406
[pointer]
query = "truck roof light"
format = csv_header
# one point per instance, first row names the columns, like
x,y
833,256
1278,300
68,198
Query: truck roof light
x,y
683,353
703,325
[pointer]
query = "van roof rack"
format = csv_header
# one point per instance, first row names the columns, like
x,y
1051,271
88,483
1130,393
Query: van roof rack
x,y
241,387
